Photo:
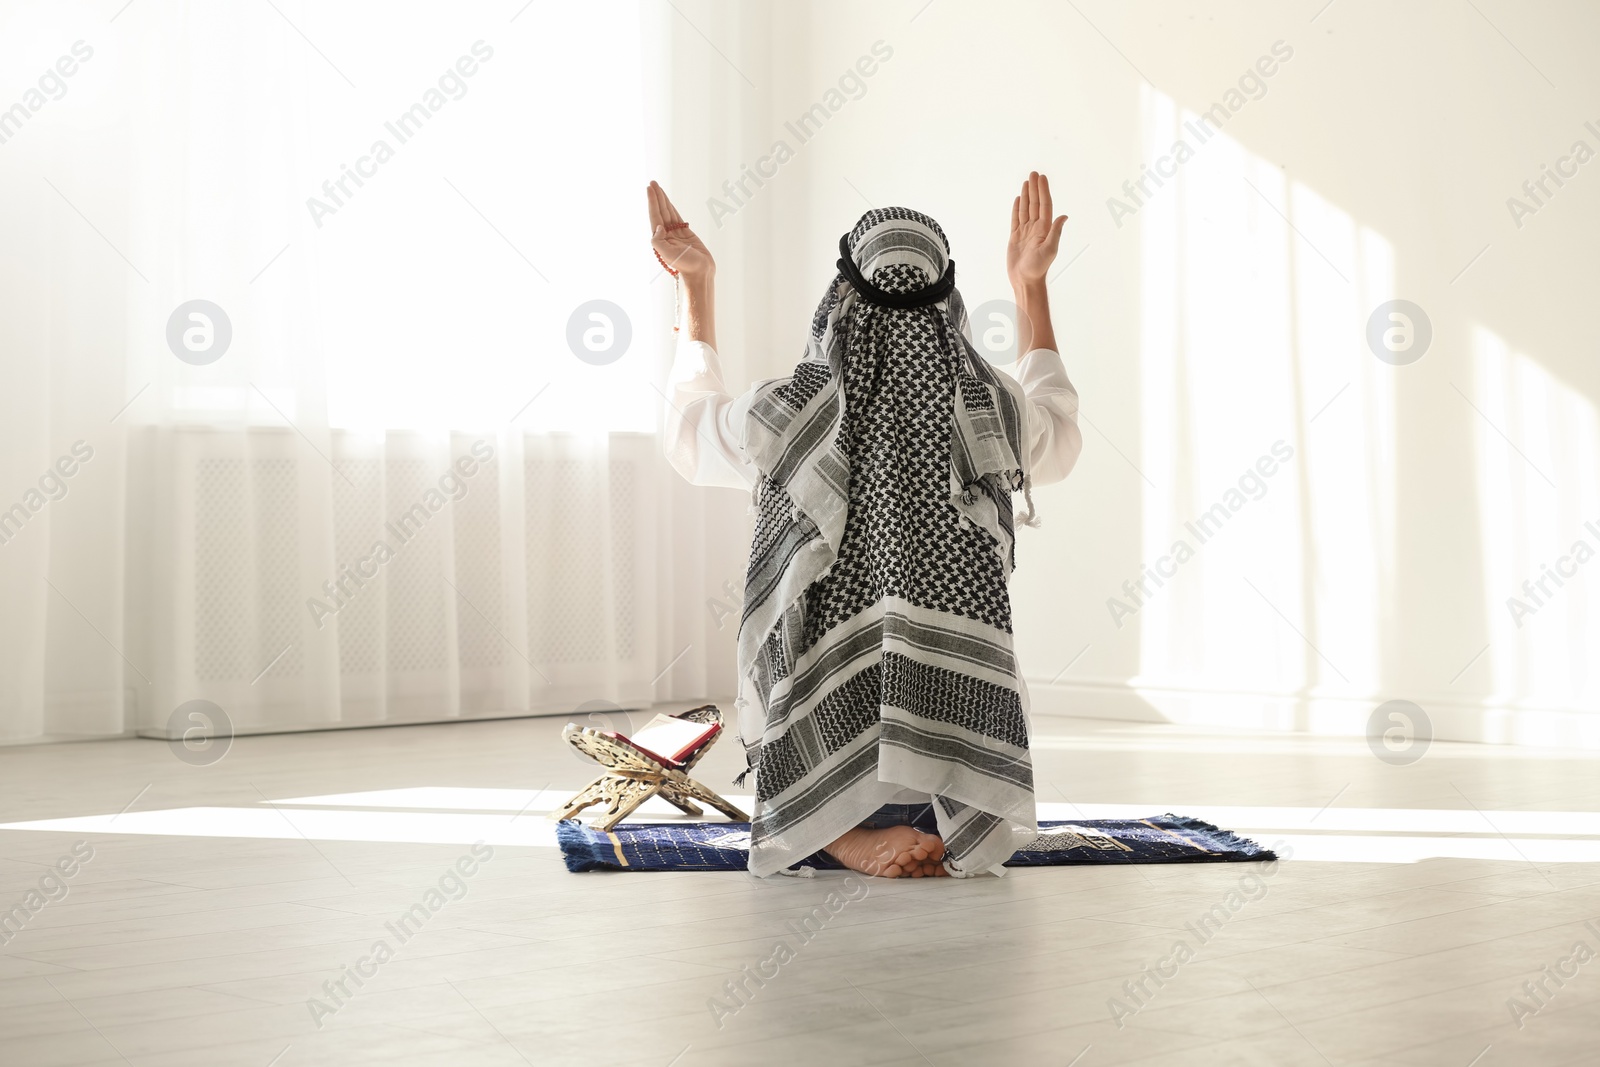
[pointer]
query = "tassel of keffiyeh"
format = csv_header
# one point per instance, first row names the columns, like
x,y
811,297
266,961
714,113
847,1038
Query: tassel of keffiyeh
x,y
1021,479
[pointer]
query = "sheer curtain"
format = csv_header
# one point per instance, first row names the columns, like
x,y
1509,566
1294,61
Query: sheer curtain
x,y
344,324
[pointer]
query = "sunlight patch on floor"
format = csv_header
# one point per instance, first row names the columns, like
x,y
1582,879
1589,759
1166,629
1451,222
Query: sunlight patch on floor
x,y
463,815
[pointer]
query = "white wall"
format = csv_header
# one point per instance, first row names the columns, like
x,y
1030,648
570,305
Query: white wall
x,y
1378,561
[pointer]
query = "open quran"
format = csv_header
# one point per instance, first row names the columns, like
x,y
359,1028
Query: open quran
x,y
669,739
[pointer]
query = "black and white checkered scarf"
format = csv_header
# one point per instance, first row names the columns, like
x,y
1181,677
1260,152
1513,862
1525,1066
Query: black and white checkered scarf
x,y
875,648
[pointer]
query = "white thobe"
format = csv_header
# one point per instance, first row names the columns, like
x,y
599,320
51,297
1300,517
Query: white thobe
x,y
704,432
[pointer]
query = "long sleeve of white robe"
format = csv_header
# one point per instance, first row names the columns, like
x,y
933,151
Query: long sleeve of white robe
x,y
704,427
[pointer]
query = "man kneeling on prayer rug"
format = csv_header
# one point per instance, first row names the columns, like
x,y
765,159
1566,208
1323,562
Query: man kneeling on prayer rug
x,y
880,705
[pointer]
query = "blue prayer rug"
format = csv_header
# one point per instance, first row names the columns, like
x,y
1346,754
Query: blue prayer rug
x,y
725,846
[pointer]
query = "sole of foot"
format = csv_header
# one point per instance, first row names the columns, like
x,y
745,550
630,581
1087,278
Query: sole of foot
x,y
891,852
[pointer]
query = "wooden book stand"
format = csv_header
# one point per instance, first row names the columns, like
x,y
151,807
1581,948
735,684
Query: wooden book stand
x,y
632,777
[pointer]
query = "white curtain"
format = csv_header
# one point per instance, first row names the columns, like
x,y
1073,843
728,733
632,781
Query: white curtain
x,y
400,493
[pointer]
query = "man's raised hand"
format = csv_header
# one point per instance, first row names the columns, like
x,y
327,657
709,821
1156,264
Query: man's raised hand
x,y
673,240
1035,236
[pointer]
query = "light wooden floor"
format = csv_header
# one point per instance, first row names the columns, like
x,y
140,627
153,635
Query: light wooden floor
x,y
1417,902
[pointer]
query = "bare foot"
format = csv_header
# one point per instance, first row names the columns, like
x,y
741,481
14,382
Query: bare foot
x,y
892,852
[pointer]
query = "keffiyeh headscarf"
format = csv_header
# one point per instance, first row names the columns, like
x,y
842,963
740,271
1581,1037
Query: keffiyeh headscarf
x,y
875,647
